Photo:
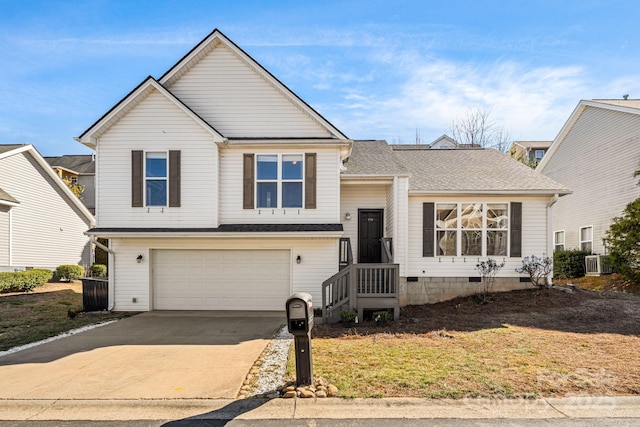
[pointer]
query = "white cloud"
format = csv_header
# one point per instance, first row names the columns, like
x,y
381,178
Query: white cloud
x,y
530,103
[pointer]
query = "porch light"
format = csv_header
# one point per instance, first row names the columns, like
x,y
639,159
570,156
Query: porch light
x,y
298,259
139,258
347,216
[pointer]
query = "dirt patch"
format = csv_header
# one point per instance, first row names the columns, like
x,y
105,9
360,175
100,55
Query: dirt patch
x,y
578,311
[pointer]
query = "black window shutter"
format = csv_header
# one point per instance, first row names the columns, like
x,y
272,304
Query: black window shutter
x,y
515,229
247,182
174,178
428,236
310,181
136,178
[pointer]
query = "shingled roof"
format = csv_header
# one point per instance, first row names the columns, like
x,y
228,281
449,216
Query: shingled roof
x,y
79,163
373,158
471,171
6,197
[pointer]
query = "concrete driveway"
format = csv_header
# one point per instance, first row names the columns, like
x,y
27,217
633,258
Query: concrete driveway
x,y
155,355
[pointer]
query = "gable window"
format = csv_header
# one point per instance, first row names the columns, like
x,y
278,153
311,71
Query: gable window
x,y
539,154
74,180
586,239
279,180
155,176
471,229
558,240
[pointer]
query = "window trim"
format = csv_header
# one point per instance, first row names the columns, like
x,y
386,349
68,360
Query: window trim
x,y
484,229
585,241
535,154
279,180
556,244
145,178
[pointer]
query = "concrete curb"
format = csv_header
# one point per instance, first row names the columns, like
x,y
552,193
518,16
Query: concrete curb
x,y
580,407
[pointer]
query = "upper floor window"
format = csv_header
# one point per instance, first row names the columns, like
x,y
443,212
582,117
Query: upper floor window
x,y
155,177
586,239
471,229
539,154
279,179
74,179
558,241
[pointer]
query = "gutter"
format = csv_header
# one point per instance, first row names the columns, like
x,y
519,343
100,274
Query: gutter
x,y
111,269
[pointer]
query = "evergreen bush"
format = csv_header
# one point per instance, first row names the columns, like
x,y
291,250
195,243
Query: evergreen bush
x,y
69,272
569,264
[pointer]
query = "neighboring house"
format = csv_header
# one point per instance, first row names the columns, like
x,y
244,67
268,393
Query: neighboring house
x,y
595,154
42,223
219,188
79,169
445,142
530,152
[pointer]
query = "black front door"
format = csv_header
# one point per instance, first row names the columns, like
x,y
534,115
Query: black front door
x,y
369,235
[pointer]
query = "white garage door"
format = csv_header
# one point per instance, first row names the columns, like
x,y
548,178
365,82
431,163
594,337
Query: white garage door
x,y
220,279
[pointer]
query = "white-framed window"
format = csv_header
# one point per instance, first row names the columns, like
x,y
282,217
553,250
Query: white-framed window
x,y
279,180
558,240
586,239
156,178
539,154
74,179
472,229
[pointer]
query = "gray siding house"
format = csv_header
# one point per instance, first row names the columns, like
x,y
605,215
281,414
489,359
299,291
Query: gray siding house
x,y
595,154
42,223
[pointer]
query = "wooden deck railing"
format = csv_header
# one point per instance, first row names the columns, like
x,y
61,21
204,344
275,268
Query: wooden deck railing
x,y
345,253
359,287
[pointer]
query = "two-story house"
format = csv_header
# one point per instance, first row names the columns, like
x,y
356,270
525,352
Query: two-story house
x,y
219,188
595,153
79,169
530,152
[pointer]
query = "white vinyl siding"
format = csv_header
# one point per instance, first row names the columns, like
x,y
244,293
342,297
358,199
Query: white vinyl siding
x,y
133,280
534,239
156,124
47,229
596,161
327,191
227,92
354,197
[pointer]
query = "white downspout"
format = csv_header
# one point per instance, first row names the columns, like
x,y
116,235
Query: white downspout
x,y
111,270
10,239
550,236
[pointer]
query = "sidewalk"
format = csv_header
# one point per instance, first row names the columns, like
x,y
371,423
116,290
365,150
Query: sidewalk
x,y
331,408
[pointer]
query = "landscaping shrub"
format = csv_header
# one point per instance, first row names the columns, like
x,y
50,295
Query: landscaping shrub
x,y
623,237
24,281
98,270
69,272
538,269
569,264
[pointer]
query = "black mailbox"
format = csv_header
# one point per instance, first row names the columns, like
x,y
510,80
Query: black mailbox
x,y
299,313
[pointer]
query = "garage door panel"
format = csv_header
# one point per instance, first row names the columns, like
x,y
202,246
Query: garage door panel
x,y
220,279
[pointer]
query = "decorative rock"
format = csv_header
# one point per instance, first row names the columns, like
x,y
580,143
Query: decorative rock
x,y
290,388
321,393
289,394
306,393
332,391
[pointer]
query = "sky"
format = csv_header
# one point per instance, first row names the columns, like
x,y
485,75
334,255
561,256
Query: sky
x,y
375,69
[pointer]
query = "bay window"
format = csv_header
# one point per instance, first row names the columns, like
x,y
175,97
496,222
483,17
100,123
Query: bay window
x,y
471,229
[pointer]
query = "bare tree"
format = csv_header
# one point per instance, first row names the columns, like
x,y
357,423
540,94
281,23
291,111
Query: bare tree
x,y
477,129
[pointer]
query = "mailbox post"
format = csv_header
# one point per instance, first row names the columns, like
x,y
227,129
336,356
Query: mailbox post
x,y
300,323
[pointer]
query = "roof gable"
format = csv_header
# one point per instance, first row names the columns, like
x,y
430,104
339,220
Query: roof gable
x,y
28,149
444,142
90,136
631,106
232,91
